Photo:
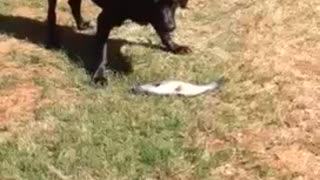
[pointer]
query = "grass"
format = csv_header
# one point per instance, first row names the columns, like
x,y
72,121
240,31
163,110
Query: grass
x,y
78,131
106,133
8,81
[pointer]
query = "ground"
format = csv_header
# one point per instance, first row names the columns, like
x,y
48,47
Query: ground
x,y
264,124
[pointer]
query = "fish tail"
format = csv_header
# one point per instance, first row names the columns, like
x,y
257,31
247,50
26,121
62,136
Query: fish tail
x,y
219,82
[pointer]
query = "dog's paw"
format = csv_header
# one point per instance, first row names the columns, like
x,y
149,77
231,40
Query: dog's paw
x,y
182,50
84,25
100,81
98,77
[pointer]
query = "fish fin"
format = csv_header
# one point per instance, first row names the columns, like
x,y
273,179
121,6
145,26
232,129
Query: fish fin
x,y
178,89
157,83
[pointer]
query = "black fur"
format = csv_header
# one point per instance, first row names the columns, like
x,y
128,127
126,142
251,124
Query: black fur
x,y
52,37
159,13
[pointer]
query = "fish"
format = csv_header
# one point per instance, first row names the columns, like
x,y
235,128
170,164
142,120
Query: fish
x,y
176,87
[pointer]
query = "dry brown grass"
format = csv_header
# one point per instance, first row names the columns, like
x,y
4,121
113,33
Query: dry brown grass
x,y
20,95
277,63
281,37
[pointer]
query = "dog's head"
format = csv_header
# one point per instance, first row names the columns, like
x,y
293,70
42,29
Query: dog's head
x,y
165,13
183,3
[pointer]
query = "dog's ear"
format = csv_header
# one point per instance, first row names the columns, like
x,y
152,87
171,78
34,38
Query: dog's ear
x,y
183,3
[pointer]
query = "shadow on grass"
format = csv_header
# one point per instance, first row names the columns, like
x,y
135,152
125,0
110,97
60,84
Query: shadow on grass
x,y
78,46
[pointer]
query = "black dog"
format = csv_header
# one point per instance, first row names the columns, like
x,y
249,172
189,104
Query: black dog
x,y
75,6
159,13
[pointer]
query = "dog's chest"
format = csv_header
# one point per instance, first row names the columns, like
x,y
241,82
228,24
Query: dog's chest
x,y
140,11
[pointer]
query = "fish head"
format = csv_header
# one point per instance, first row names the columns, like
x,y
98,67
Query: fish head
x,y
141,89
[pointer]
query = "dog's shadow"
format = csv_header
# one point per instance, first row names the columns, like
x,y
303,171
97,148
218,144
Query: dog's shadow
x,y
78,46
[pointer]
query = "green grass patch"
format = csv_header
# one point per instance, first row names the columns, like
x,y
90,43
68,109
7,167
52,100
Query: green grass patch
x,y
108,133
8,81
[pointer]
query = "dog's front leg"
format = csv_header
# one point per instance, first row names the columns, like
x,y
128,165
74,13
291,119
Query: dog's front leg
x,y
104,26
75,6
171,45
52,34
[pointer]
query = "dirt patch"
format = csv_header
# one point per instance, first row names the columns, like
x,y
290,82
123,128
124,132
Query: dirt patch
x,y
283,150
12,70
283,34
280,57
12,54
19,94
297,160
26,12
6,46
19,103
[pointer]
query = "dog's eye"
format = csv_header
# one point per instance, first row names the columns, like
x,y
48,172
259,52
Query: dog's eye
x,y
167,2
175,5
183,3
